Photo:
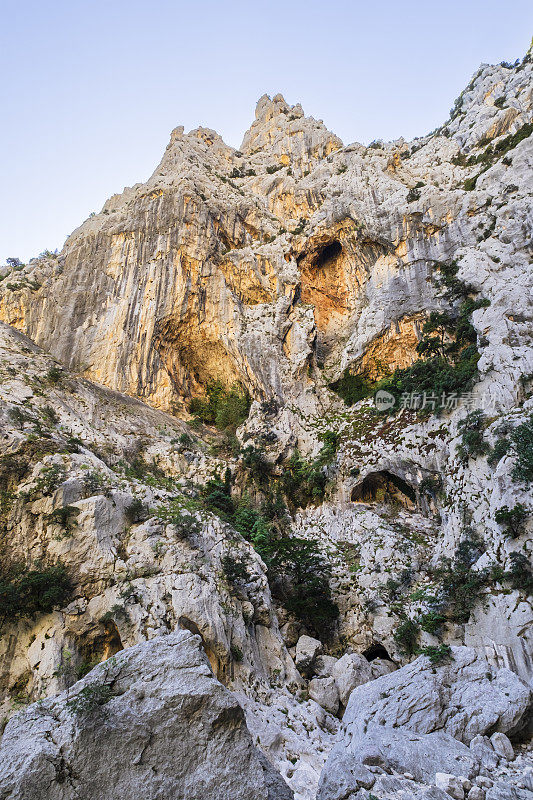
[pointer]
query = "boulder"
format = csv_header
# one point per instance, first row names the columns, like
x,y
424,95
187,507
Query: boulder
x,y
307,649
323,666
482,748
150,722
423,755
350,671
450,784
464,697
382,666
419,719
502,790
324,692
502,746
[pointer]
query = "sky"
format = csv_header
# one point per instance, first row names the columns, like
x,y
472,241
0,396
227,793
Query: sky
x,y
90,90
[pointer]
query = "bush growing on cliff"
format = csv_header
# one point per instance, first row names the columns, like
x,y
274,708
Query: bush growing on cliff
x,y
221,407
27,591
216,495
173,513
520,573
90,698
406,636
257,465
352,388
522,439
447,350
519,442
136,511
437,654
472,441
512,519
304,482
460,584
301,581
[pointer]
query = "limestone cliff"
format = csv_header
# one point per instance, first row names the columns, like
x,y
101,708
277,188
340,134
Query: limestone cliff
x,y
291,276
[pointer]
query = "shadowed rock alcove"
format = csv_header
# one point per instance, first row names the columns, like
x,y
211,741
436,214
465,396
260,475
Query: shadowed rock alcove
x,y
384,487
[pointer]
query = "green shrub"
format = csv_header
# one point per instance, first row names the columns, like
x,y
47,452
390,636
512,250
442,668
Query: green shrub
x,y
245,518
236,653
257,465
26,591
234,570
216,495
304,589
303,482
90,698
448,363
173,514
500,449
18,416
352,388
522,440
520,573
54,376
406,636
437,654
49,479
224,408
472,441
512,519
460,584
63,516
135,511
432,621
431,485
300,227
50,415
95,483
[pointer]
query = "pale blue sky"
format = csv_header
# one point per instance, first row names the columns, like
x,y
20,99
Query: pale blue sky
x,y
91,90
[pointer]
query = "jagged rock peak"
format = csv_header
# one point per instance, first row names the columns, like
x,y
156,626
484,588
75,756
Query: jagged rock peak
x,y
289,135
267,108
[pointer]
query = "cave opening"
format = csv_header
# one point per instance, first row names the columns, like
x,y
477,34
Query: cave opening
x,y
384,487
376,650
328,254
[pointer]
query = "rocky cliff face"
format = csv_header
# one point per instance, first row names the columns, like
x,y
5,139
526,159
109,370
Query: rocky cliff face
x,y
326,544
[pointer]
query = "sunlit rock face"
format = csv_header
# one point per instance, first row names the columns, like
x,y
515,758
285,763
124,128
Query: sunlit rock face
x,y
287,267
249,265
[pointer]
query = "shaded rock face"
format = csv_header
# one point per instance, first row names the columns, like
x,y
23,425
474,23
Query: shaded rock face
x,y
167,729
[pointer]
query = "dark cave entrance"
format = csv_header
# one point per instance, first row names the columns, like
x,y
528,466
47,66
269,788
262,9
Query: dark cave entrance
x,y
376,650
328,254
384,487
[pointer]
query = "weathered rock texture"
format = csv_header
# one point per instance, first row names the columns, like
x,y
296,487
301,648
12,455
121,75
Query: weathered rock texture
x,y
420,721
277,267
168,730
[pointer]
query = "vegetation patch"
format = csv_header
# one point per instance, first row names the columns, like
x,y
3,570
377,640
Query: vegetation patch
x,y
27,591
221,407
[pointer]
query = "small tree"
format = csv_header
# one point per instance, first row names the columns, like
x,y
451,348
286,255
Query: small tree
x,y
512,519
473,443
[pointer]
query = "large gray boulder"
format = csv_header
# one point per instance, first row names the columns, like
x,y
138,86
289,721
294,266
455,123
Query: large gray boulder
x,y
163,728
464,697
350,671
420,719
